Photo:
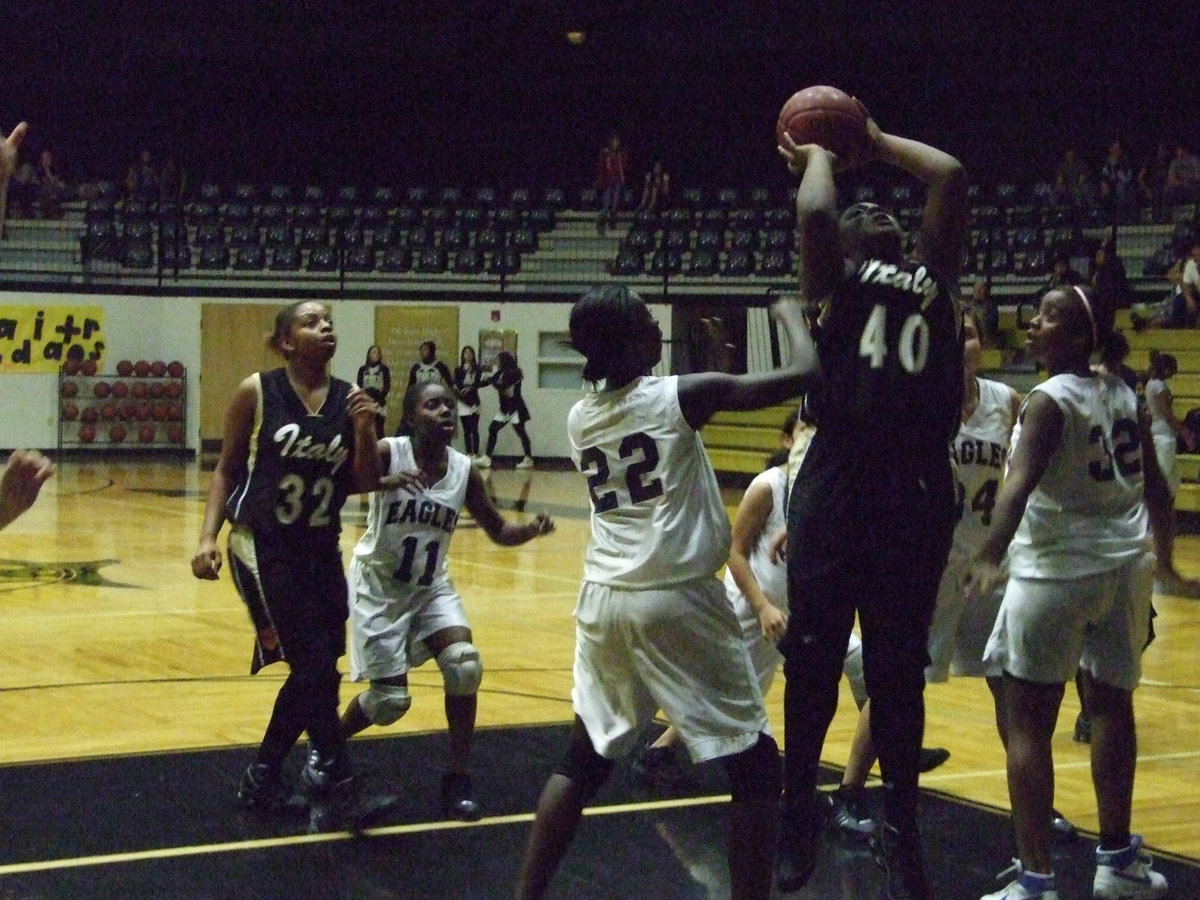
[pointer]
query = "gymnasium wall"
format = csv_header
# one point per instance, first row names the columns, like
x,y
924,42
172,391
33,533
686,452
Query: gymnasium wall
x,y
168,328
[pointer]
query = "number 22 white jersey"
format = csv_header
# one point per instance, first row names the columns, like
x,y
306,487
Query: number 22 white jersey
x,y
408,535
657,514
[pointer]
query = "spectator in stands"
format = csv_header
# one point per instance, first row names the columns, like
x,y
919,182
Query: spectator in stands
x,y
171,182
1179,310
52,188
8,166
1108,274
989,309
1152,178
1071,179
1183,176
1116,183
656,189
141,182
611,172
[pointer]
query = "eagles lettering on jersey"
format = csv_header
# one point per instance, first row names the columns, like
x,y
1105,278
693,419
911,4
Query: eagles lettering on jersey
x,y
980,453
297,476
425,512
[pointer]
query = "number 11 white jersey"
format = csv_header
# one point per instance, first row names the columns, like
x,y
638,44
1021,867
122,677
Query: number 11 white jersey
x,y
408,535
657,515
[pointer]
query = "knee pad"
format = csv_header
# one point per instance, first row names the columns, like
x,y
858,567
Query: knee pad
x,y
384,704
462,670
584,766
756,773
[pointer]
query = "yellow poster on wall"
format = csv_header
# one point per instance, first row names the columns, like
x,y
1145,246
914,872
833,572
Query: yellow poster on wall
x,y
399,332
42,338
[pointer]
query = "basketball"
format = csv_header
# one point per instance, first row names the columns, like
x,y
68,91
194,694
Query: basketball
x,y
141,412
157,390
87,433
175,413
108,412
175,434
125,368
830,118
139,389
117,434
70,412
90,415
160,412
174,389
126,411
70,388
146,434
158,368
175,368
71,366
120,390
102,389
141,368
88,367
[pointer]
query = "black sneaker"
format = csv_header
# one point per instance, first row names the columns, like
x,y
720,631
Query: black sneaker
x,y
799,841
659,768
846,813
348,805
931,758
1083,728
1063,827
899,855
263,788
456,798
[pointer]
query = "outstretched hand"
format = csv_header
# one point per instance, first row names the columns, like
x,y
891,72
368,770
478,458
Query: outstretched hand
x,y
798,155
26,472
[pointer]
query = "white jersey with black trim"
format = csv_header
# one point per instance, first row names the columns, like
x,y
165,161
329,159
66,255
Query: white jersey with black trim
x,y
657,514
980,451
408,535
771,577
1087,514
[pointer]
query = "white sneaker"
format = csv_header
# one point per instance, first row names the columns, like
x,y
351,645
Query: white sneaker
x,y
1127,874
1028,886
526,463
483,462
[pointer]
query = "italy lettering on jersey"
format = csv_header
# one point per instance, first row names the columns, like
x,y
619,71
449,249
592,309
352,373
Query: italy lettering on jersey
x,y
980,452
408,535
657,515
1087,513
297,477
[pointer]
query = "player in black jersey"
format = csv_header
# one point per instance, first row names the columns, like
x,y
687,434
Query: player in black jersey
x,y
872,512
296,441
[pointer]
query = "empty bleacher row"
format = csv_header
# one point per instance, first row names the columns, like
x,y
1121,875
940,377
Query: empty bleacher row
x,y
280,232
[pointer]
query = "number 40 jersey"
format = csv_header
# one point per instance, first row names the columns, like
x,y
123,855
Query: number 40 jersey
x,y
657,515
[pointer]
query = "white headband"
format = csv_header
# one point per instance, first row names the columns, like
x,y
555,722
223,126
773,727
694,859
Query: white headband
x,y
1087,308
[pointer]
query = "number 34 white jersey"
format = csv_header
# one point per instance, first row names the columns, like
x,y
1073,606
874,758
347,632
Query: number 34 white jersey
x,y
657,515
408,535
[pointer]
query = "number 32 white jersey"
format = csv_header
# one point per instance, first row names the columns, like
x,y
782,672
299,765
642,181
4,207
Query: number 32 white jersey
x,y
408,535
657,515
1087,514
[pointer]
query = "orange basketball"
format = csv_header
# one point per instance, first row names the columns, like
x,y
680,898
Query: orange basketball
x,y
175,369
141,368
87,433
88,367
830,118
146,434
70,412
117,434
120,390
125,368
70,388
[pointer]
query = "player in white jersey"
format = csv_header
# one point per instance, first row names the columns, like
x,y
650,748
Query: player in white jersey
x,y
404,609
1072,514
654,629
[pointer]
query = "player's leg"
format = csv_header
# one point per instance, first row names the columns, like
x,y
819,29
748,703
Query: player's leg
x,y
462,672
579,776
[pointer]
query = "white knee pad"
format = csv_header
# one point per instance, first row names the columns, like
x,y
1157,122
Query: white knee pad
x,y
461,668
385,703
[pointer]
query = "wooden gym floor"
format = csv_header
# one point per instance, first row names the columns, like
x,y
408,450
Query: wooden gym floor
x,y
125,701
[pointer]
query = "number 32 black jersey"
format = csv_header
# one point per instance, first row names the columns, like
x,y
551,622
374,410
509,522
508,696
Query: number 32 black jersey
x,y
299,468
